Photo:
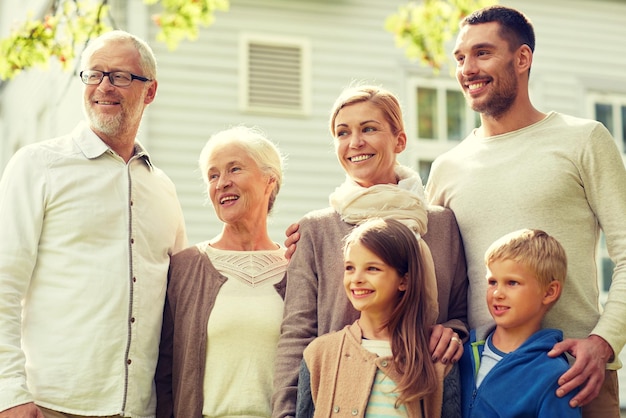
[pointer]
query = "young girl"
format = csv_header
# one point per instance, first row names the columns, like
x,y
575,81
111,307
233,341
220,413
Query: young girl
x,y
379,365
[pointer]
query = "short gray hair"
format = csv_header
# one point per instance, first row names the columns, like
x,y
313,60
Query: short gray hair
x,y
147,60
263,151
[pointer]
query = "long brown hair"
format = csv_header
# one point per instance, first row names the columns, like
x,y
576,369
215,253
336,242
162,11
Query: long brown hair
x,y
397,246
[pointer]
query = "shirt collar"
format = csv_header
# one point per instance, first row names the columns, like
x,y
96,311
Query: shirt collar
x,y
92,146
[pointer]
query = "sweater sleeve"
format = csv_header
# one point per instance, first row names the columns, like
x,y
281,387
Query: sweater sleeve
x,y
444,240
299,326
604,180
457,301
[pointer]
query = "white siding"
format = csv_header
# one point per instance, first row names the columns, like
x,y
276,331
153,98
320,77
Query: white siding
x,y
580,47
199,90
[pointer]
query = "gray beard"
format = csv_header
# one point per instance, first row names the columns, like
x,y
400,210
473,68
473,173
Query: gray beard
x,y
108,126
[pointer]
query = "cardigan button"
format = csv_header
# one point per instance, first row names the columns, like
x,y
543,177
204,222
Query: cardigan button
x,y
355,412
335,409
383,363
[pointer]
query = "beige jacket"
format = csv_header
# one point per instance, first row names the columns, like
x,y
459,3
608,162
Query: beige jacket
x,y
342,373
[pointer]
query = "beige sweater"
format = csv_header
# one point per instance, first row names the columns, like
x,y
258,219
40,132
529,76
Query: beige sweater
x,y
563,175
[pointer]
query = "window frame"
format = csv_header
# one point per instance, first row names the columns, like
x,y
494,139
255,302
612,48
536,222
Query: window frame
x,y
617,101
425,150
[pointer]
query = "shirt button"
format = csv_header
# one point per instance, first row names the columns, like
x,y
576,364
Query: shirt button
x,y
335,409
132,320
383,363
132,240
134,279
129,361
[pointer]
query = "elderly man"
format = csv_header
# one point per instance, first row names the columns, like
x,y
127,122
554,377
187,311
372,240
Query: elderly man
x,y
88,225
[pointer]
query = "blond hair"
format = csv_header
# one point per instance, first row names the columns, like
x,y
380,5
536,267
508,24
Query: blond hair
x,y
539,252
385,100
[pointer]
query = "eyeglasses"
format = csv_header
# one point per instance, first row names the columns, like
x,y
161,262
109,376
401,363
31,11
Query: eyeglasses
x,y
117,78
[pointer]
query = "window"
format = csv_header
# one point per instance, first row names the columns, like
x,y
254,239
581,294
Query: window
x,y
611,111
605,270
437,119
274,75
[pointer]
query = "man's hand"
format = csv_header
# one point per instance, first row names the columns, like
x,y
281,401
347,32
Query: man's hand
x,y
445,344
592,354
27,410
290,243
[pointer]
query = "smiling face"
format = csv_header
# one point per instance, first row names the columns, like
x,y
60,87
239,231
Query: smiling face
x,y
115,112
485,69
515,298
239,190
365,145
372,286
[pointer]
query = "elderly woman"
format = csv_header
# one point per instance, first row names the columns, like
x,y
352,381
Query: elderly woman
x,y
224,300
366,123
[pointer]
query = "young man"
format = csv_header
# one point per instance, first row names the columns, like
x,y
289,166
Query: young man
x,y
506,371
87,226
524,168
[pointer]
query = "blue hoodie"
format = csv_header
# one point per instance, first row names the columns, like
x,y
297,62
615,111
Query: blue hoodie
x,y
522,384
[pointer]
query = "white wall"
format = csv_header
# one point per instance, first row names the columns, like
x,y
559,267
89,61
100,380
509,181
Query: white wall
x,y
199,90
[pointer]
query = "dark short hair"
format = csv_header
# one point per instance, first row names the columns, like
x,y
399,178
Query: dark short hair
x,y
515,27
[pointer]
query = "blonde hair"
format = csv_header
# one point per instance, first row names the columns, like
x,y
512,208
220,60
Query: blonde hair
x,y
386,101
541,253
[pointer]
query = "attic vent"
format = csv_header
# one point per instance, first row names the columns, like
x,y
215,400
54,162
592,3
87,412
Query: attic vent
x,y
275,76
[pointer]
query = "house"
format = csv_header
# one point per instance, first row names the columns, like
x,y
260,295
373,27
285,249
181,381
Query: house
x,y
279,65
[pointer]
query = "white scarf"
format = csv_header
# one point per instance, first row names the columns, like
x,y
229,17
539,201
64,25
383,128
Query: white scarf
x,y
404,202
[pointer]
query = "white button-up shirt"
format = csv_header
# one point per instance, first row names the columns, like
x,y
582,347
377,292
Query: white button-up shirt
x,y
85,240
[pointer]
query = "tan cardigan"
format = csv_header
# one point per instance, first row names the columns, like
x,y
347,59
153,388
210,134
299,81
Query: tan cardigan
x,y
342,374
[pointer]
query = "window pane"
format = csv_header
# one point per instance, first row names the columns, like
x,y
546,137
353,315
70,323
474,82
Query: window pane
x,y
427,113
455,104
604,114
607,273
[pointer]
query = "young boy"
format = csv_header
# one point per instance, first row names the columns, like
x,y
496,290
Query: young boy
x,y
506,371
